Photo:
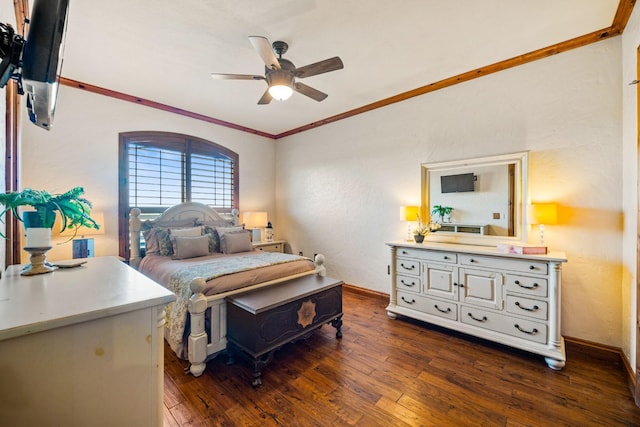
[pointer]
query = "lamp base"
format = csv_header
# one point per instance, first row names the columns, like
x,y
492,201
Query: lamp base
x,y
256,235
38,262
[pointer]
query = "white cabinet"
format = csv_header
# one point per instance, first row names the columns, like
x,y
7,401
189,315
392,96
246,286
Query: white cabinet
x,y
507,298
82,346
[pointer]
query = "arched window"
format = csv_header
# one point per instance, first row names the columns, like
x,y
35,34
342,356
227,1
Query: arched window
x,y
159,169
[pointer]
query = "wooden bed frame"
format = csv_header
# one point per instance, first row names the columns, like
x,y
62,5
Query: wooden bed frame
x,y
202,344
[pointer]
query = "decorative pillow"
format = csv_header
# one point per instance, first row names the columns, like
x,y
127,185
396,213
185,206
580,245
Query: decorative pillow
x,y
156,235
186,232
189,247
157,241
234,242
214,240
221,231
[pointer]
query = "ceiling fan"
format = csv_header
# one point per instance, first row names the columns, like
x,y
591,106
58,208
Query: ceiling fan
x,y
280,74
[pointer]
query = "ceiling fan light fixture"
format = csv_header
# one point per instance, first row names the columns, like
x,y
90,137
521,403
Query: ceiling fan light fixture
x,y
280,84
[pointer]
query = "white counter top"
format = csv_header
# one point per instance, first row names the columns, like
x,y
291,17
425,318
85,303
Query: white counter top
x,y
102,287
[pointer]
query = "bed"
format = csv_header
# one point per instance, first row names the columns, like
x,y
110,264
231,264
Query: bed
x,y
203,257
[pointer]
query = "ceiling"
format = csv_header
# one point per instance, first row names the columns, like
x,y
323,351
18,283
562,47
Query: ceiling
x,y
163,51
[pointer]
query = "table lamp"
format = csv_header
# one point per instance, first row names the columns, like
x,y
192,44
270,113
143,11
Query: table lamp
x,y
541,214
409,214
84,247
255,221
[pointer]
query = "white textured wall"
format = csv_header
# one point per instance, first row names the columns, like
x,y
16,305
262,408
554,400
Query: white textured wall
x,y
339,186
82,149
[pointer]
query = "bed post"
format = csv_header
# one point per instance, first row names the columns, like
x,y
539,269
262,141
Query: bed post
x,y
197,337
134,237
321,270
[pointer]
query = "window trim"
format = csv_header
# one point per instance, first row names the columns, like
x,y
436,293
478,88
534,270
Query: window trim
x,y
162,140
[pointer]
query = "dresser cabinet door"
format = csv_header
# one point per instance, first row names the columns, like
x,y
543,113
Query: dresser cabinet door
x,y
441,280
481,288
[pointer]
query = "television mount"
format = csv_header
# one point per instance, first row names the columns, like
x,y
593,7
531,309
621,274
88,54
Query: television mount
x,y
11,46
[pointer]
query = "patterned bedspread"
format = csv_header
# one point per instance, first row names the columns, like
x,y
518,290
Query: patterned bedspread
x,y
176,312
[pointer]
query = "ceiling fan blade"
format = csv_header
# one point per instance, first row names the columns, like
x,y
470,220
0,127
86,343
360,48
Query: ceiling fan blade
x,y
264,49
325,66
220,76
310,92
266,98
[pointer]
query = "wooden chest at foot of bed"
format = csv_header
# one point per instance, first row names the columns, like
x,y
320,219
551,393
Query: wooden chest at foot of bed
x,y
262,321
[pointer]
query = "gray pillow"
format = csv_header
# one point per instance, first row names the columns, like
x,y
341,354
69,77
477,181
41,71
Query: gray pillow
x,y
189,247
234,242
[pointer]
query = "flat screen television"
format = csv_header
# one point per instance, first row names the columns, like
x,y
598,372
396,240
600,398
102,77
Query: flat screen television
x,y
42,59
460,183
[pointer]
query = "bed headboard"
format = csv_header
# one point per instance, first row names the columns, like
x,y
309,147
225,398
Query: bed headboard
x,y
175,215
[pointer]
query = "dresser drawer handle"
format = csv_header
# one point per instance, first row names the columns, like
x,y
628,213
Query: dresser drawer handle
x,y
446,257
404,252
448,310
408,302
484,318
535,285
531,332
534,308
472,260
407,284
532,267
411,267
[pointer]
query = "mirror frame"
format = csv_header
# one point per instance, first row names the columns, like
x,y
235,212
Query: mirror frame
x,y
521,162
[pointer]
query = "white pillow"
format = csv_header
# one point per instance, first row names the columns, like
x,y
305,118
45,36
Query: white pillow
x,y
186,232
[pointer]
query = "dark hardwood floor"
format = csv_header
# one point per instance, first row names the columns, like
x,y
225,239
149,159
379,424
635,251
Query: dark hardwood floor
x,y
401,372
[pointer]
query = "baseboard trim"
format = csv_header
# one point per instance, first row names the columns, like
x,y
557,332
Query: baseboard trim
x,y
366,292
590,345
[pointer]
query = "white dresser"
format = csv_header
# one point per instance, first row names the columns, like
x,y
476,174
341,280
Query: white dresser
x,y
507,298
82,346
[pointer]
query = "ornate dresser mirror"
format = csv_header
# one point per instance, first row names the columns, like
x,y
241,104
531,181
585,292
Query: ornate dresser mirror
x,y
487,194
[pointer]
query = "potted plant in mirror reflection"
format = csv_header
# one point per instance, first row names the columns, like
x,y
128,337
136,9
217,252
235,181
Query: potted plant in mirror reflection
x,y
71,206
444,212
423,230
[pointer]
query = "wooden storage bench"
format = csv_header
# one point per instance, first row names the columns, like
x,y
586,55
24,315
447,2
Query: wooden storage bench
x,y
261,321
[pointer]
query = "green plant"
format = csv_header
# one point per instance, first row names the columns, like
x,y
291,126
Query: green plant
x,y
441,211
73,208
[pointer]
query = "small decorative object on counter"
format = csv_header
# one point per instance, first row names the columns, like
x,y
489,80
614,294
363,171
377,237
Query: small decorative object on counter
x,y
269,232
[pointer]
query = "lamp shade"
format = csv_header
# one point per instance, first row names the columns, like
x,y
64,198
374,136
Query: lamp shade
x,y
98,217
254,219
409,213
543,213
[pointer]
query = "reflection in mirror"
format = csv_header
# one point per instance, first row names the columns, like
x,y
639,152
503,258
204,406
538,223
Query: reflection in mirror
x,y
487,196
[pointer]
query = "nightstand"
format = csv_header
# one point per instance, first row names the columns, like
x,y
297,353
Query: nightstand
x,y
275,246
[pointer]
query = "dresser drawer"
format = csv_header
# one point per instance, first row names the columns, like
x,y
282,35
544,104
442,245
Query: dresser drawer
x,y
429,255
527,307
408,266
408,283
445,309
524,266
526,329
533,286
